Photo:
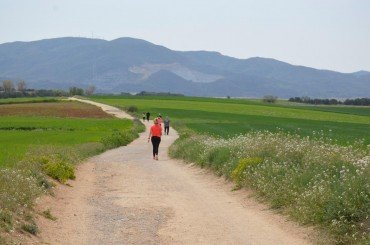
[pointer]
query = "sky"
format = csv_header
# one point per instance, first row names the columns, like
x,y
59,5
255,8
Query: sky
x,y
324,34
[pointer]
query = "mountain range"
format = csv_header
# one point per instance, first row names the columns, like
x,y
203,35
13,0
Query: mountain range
x,y
134,65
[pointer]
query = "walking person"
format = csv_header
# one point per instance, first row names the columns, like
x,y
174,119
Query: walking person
x,y
166,126
148,116
155,136
160,120
144,117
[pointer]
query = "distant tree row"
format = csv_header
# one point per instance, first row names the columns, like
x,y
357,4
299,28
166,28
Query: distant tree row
x,y
308,100
146,93
9,90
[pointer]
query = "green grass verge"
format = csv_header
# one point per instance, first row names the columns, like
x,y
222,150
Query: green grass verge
x,y
34,148
28,100
313,181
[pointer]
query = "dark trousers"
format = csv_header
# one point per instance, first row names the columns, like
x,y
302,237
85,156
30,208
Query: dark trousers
x,y
166,129
155,142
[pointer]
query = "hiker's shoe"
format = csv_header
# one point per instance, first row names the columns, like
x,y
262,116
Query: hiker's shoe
x,y
156,158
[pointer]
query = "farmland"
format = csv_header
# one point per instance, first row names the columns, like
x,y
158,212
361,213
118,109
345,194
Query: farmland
x,y
226,118
27,126
309,162
42,138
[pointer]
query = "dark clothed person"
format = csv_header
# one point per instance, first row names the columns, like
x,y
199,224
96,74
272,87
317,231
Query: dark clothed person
x,y
166,125
148,116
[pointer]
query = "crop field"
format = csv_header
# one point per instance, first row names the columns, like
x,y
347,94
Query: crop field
x,y
320,180
55,109
24,127
229,117
27,100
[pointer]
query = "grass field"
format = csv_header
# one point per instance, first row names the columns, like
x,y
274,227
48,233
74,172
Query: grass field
x,y
27,126
321,180
228,117
27,100
42,138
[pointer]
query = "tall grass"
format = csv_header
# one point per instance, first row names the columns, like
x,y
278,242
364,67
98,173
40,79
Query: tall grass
x,y
123,137
313,180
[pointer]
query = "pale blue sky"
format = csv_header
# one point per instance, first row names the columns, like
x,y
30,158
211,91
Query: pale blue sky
x,y
325,34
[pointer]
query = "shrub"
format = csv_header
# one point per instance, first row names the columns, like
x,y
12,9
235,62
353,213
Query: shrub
x,y
30,228
59,170
122,138
132,108
269,99
238,174
55,163
118,138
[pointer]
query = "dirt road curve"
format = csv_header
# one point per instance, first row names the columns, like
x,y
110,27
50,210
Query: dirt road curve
x,y
124,197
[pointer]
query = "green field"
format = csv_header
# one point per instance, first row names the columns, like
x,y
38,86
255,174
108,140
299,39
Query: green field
x,y
301,177
27,100
19,134
228,117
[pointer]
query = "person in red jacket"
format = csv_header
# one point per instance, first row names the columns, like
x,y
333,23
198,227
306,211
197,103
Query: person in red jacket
x,y
155,136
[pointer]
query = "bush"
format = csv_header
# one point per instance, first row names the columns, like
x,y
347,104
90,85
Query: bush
x,y
132,108
54,162
269,99
238,174
117,139
30,228
59,170
122,138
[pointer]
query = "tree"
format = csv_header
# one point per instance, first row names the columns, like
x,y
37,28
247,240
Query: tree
x,y
76,91
8,86
21,86
269,99
90,90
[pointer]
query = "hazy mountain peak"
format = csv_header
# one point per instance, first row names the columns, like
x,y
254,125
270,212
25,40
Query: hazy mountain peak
x,y
361,73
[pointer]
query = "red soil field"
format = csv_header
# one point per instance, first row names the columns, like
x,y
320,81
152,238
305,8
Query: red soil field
x,y
55,109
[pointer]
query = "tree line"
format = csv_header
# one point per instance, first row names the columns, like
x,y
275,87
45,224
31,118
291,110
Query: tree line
x,y
308,100
10,89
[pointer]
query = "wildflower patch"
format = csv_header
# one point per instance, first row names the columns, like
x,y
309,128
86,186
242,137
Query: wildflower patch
x,y
315,182
237,175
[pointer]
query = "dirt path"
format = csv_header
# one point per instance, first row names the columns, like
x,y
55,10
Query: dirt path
x,y
124,197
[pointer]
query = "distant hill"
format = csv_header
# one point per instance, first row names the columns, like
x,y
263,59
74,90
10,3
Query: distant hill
x,y
134,65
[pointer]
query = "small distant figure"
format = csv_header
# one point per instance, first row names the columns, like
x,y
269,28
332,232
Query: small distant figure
x,y
148,116
166,126
155,136
144,117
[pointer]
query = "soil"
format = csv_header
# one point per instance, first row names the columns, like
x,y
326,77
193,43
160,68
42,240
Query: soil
x,y
123,196
56,109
